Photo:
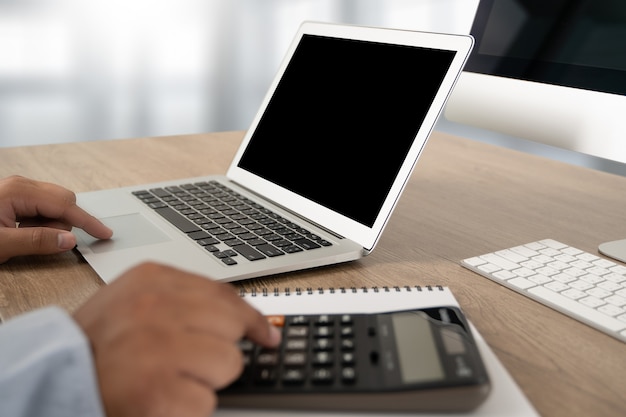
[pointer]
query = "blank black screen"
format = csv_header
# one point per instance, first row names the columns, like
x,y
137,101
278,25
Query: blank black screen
x,y
574,43
342,119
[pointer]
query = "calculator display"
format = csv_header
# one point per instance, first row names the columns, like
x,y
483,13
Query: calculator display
x,y
417,351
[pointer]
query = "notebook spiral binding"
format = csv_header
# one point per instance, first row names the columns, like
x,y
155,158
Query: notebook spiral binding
x,y
277,292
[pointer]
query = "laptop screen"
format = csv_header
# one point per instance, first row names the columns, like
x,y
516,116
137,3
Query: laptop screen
x,y
343,118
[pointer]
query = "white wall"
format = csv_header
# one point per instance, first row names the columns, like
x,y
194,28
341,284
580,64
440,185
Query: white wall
x,y
74,70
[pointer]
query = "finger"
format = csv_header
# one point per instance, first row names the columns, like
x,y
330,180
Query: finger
x,y
221,310
236,313
237,318
209,360
52,224
31,198
34,241
78,217
262,332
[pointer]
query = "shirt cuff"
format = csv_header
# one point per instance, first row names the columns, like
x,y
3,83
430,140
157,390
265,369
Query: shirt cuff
x,y
46,367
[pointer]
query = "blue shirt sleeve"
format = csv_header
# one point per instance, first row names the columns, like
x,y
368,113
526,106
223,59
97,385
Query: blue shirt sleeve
x,y
46,367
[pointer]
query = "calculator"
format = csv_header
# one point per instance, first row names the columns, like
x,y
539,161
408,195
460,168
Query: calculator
x,y
417,360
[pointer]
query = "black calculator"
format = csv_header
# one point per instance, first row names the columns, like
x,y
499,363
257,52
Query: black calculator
x,y
417,360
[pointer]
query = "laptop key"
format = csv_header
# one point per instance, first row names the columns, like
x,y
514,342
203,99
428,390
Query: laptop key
x,y
208,242
292,249
178,220
199,234
306,244
249,252
270,250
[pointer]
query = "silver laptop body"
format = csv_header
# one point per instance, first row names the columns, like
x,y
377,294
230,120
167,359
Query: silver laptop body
x,y
318,173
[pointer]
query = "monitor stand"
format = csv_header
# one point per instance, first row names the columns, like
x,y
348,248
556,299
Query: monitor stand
x,y
615,249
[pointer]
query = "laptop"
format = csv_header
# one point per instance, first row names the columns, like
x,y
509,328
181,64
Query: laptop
x,y
317,174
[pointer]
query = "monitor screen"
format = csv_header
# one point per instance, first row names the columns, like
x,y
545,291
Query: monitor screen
x,y
572,43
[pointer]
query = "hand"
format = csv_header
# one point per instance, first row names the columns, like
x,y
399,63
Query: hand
x,y
46,213
165,340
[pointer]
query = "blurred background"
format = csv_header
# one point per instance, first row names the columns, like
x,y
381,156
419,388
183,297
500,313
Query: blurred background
x,y
76,70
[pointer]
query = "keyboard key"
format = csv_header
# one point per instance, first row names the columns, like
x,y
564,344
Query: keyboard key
x,y
610,286
178,220
521,283
618,269
524,272
592,302
306,244
564,278
489,267
611,310
511,256
536,246
553,244
540,279
556,286
269,250
504,275
199,234
249,252
475,261
581,285
524,251
501,262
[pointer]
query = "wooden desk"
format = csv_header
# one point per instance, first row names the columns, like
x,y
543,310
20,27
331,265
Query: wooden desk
x,y
464,198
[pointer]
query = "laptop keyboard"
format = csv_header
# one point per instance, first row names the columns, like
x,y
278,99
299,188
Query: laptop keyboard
x,y
227,224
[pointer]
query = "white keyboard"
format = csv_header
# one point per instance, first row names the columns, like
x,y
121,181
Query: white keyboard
x,y
579,284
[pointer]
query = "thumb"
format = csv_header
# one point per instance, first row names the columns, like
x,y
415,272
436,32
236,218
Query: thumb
x,y
34,241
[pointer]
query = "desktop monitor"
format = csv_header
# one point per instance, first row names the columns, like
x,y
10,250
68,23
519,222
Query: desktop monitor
x,y
550,71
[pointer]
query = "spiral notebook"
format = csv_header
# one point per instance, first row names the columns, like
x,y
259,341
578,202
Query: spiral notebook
x,y
506,398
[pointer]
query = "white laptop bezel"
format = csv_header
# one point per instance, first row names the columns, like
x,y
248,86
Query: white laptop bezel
x,y
342,225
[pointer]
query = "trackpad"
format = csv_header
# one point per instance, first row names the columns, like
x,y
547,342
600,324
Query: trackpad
x,y
129,231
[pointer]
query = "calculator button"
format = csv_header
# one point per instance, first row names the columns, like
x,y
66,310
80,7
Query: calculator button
x,y
323,344
346,319
293,376
323,331
347,332
295,358
267,358
347,358
347,344
322,376
297,331
295,344
278,321
299,320
348,375
322,358
265,376
324,320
